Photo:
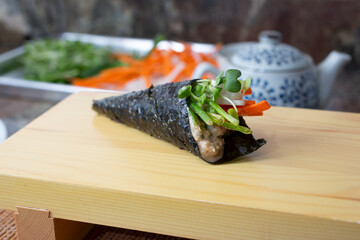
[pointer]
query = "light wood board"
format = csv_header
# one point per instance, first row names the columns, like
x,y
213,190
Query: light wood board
x,y
303,184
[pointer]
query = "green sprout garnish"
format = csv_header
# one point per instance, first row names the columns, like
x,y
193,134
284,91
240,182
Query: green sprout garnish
x,y
201,113
202,97
231,102
221,111
184,92
247,84
216,118
239,128
213,92
194,117
232,84
233,113
220,79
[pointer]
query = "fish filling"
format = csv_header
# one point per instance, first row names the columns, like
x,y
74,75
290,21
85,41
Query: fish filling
x,y
209,140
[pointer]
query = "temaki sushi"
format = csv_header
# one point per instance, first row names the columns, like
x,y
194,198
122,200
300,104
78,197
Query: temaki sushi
x,y
203,116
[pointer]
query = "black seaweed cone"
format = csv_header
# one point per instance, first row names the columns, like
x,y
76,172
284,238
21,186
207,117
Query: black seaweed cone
x,y
158,112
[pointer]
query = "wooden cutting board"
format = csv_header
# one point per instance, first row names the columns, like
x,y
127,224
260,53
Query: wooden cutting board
x,y
303,184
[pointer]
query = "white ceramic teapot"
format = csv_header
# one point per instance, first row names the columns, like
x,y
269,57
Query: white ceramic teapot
x,y
281,74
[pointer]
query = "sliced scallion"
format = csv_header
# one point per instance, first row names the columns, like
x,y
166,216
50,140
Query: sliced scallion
x,y
216,118
221,111
239,128
201,113
184,92
213,92
194,117
233,113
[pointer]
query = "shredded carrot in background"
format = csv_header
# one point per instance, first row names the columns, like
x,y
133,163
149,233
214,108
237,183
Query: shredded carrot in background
x,y
159,63
208,76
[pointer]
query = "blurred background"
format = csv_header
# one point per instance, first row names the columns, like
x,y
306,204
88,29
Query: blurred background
x,y
314,26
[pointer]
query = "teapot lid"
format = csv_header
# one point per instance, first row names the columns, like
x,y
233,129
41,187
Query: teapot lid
x,y
267,54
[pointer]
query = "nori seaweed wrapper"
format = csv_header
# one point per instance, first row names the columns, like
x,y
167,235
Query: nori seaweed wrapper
x,y
158,112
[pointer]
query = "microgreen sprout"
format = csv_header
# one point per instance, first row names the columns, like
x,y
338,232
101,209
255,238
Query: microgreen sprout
x,y
232,84
219,79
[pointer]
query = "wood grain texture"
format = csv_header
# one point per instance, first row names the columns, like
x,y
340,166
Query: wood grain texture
x,y
304,183
36,224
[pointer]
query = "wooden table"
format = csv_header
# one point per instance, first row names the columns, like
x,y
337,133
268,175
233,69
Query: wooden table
x,y
303,184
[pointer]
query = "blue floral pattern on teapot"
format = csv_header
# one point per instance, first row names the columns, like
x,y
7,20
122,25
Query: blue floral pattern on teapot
x,y
291,90
270,57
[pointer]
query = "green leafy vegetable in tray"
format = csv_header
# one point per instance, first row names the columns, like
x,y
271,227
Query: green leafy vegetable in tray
x,y
59,60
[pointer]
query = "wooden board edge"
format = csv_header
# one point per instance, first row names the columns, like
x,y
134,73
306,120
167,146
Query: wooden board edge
x,y
176,217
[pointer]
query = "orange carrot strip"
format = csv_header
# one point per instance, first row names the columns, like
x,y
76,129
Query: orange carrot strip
x,y
173,52
249,102
254,108
248,92
109,78
147,79
121,81
167,64
253,114
80,81
105,77
116,71
207,76
189,69
208,58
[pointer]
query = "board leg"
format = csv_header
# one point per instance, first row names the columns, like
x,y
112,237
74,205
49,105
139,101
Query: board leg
x,y
36,224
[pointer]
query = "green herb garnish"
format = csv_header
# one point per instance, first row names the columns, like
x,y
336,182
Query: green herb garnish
x,y
194,117
184,92
221,111
233,113
201,113
247,84
202,97
219,78
232,84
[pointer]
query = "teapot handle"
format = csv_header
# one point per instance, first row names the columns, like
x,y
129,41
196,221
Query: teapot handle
x,y
203,68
